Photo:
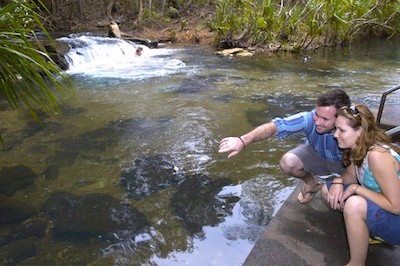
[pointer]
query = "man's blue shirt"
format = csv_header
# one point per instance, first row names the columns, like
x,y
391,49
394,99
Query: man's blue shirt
x,y
324,144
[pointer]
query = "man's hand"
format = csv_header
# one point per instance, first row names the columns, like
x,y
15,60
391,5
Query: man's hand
x,y
231,144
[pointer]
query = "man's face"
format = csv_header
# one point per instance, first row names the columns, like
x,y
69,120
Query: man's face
x,y
324,118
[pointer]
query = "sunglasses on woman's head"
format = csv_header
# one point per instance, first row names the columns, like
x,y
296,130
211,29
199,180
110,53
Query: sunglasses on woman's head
x,y
351,110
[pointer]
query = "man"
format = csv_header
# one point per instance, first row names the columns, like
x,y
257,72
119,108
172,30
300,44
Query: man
x,y
320,155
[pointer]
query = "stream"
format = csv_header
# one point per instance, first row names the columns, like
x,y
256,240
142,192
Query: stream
x,y
129,172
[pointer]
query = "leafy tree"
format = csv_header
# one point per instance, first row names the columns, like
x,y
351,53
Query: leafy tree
x,y
28,76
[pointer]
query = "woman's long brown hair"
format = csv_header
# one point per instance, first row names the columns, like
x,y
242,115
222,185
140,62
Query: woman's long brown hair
x,y
358,115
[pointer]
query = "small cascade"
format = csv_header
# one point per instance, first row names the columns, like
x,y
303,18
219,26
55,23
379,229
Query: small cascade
x,y
116,58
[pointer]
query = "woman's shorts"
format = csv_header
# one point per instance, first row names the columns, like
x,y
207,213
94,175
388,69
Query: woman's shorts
x,y
381,224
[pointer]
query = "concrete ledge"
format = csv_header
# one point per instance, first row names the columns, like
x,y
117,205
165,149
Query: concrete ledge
x,y
311,234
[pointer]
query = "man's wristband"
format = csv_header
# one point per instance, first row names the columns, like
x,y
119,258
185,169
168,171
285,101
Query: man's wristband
x,y
244,145
337,183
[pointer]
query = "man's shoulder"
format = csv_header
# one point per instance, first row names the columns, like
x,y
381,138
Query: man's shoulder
x,y
304,114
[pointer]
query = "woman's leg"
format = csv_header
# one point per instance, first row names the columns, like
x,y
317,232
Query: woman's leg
x,y
355,217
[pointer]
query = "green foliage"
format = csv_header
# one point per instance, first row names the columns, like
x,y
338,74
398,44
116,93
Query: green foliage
x,y
27,72
327,22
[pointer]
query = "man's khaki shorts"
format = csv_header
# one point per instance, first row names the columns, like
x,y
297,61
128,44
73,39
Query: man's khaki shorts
x,y
315,163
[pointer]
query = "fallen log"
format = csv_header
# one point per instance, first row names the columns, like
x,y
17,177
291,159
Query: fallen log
x,y
146,42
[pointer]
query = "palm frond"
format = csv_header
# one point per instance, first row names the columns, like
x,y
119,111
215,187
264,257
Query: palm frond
x,y
29,78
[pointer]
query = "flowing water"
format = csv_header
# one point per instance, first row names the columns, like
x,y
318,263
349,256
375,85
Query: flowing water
x,y
129,174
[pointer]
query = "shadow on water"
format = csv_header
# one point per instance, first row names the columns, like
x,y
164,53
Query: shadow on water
x,y
131,174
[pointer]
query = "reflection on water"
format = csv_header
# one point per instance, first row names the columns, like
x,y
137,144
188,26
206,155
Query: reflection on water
x,y
130,174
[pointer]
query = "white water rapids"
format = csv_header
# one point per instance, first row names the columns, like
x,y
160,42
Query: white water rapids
x,y
115,58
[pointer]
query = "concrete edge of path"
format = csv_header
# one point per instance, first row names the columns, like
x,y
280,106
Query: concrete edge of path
x,y
311,234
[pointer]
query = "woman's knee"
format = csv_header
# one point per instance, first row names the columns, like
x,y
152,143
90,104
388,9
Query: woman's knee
x,y
355,205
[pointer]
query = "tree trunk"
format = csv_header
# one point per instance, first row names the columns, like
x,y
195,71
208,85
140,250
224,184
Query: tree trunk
x,y
150,3
54,7
109,9
130,7
140,12
80,8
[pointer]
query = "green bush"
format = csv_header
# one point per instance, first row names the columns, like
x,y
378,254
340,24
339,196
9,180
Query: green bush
x,y
326,22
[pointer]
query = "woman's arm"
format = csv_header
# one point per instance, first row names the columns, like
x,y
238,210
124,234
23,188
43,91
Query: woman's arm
x,y
384,168
348,177
335,193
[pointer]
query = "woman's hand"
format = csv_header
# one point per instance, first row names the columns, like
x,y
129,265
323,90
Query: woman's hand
x,y
351,190
231,144
334,195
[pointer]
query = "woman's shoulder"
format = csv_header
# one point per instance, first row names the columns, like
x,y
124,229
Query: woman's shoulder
x,y
377,150
377,154
390,148
379,147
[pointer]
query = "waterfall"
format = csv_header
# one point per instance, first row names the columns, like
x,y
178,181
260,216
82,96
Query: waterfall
x,y
115,58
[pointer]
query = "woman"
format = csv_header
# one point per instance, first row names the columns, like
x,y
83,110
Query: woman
x,y
369,190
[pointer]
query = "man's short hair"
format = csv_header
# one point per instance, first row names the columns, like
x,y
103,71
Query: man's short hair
x,y
337,97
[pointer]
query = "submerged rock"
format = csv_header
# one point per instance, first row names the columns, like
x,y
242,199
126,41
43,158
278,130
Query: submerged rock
x,y
51,172
13,212
149,174
19,251
90,145
13,139
79,218
198,83
32,228
197,204
15,178
141,128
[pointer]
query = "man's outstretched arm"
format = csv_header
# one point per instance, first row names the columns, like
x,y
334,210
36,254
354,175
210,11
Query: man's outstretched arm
x,y
235,144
